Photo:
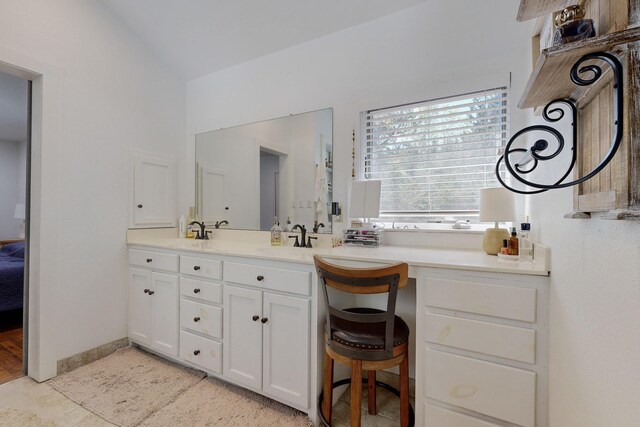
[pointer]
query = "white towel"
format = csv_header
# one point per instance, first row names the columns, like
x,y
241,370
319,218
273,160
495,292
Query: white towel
x,y
320,189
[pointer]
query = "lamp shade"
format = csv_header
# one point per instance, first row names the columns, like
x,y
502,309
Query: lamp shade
x,y
365,199
497,205
18,213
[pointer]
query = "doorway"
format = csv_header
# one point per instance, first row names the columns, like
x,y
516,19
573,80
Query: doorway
x,y
271,165
15,147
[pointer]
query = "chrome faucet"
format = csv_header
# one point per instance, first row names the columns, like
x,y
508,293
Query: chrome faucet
x,y
202,233
303,232
219,223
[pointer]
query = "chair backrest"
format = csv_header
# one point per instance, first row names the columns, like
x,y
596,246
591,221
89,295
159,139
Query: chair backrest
x,y
386,279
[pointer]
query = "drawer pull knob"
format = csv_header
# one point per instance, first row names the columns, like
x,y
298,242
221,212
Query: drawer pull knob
x,y
255,318
196,352
140,206
196,291
196,319
260,278
146,291
149,260
196,267
264,320
151,292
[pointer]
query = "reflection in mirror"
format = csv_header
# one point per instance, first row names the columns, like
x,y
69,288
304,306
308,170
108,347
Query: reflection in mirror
x,y
282,168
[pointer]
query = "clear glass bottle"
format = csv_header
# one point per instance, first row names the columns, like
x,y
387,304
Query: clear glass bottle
x,y
526,246
276,233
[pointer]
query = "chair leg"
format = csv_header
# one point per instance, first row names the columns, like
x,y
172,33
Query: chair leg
x,y
327,399
371,390
404,391
356,392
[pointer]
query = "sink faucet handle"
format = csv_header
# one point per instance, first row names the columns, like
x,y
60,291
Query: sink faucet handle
x,y
296,243
206,234
309,241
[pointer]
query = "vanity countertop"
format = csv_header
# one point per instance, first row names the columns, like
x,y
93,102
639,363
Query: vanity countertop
x,y
414,256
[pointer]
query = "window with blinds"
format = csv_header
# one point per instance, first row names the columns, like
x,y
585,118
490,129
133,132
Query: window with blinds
x,y
433,157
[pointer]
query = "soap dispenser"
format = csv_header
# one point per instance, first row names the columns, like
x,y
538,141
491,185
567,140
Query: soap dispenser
x,y
276,233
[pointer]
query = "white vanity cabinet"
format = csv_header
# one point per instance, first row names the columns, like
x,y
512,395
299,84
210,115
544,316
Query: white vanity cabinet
x,y
201,312
267,330
481,349
153,300
153,198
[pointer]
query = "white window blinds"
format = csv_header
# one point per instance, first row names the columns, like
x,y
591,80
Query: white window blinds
x,y
433,157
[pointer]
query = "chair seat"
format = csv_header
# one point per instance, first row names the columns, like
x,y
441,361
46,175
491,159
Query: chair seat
x,y
367,336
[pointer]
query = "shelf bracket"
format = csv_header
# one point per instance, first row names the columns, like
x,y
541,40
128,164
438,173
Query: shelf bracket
x,y
521,161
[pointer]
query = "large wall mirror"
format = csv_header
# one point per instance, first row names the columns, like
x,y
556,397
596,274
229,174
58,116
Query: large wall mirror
x,y
247,175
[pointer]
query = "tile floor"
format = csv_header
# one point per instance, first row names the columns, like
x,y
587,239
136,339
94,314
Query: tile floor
x,y
24,402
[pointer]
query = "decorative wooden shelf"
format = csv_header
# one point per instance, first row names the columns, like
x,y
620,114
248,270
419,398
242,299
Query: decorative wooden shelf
x,y
550,78
530,9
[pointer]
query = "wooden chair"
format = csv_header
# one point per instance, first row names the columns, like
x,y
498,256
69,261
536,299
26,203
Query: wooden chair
x,y
364,338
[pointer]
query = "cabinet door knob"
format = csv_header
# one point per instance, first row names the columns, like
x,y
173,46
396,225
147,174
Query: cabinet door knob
x,y
140,206
146,291
260,278
264,320
149,260
196,319
196,352
151,292
196,291
255,318
196,267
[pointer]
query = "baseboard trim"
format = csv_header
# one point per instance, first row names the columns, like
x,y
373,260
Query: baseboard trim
x,y
86,357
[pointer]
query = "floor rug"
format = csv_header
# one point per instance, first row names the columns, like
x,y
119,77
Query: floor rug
x,y
212,402
127,386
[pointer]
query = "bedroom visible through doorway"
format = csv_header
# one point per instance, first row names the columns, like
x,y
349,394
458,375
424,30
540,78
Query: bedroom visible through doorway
x,y
14,207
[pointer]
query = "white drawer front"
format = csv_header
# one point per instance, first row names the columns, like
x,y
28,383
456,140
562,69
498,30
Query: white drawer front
x,y
297,282
201,267
206,291
201,351
435,416
499,391
202,318
484,337
156,260
480,298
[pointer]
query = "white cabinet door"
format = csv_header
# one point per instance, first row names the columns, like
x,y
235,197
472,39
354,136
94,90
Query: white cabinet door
x,y
286,348
153,192
242,359
164,313
139,303
213,200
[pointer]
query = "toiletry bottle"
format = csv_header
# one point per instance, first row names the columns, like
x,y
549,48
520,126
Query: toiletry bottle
x,y
513,242
182,230
504,250
526,245
190,234
276,233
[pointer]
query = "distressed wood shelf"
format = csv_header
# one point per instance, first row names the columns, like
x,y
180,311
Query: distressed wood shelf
x,y
550,77
530,9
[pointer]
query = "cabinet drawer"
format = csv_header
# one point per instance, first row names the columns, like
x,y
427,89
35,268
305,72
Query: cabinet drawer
x,y
202,318
436,416
481,298
297,282
201,351
201,267
499,391
156,260
483,337
200,289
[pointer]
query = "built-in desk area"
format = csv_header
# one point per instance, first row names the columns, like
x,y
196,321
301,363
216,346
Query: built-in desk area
x,y
251,314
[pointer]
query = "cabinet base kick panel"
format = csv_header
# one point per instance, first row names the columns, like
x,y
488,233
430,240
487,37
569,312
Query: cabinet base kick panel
x,y
201,351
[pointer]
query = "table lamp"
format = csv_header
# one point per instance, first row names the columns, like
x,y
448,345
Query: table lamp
x,y
496,205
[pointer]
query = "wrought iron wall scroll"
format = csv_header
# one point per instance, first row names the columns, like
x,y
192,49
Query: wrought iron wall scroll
x,y
536,153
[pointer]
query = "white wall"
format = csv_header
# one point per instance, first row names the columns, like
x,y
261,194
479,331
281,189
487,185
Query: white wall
x,y
9,188
103,95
